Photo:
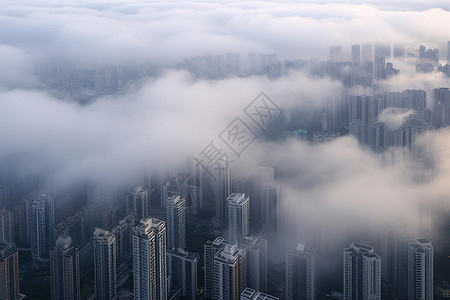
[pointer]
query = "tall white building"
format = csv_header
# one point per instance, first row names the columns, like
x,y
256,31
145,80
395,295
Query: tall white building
x,y
238,217
362,273
420,270
176,222
149,260
256,248
42,226
229,272
105,264
300,273
6,226
182,270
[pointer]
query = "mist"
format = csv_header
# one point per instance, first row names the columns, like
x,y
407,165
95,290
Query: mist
x,y
160,115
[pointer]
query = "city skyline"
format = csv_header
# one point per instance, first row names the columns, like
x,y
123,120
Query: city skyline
x,y
225,150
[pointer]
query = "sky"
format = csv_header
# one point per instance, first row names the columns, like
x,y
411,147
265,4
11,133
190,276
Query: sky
x,y
176,115
169,31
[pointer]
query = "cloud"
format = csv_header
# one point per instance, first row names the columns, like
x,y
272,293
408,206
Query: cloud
x,y
393,117
115,138
166,32
16,68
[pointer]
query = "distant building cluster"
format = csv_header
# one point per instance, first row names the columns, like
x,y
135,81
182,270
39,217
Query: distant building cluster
x,y
183,236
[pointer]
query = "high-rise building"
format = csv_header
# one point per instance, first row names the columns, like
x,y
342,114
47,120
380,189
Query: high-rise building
x,y
149,260
383,50
399,51
23,220
256,248
229,272
441,106
271,209
65,270
379,67
356,54
251,294
138,202
336,53
366,53
264,176
420,270
42,226
176,222
182,270
394,259
238,217
222,191
448,52
9,270
210,249
300,273
124,236
362,273
105,264
6,226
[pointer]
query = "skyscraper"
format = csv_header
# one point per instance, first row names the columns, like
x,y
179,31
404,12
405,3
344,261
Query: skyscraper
x,y
9,270
335,53
366,53
210,250
176,222
149,260
420,270
356,54
238,217
379,67
138,202
256,248
105,264
448,52
300,273
222,191
362,273
42,226
271,209
251,294
264,175
23,218
65,270
6,226
229,272
182,269
394,259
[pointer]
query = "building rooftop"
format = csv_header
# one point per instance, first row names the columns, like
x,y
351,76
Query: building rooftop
x,y
237,198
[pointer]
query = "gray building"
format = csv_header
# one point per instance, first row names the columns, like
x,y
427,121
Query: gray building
x,y
182,271
105,265
420,270
176,222
238,217
65,270
300,273
362,273
149,260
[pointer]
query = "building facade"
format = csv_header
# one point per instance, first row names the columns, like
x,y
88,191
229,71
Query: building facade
x,y
65,270
105,265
